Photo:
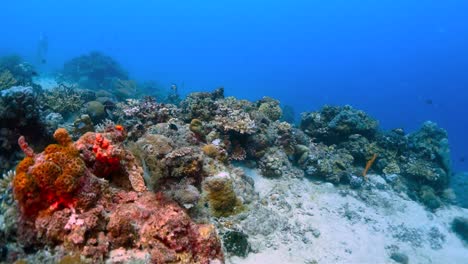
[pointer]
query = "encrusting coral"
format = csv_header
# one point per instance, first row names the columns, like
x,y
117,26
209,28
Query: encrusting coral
x,y
105,154
48,178
64,204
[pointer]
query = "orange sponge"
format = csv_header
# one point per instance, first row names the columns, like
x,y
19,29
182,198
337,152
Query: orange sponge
x,y
52,176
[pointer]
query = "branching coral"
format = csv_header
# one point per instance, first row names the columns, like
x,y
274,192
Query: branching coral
x,y
6,187
136,114
16,70
7,80
63,99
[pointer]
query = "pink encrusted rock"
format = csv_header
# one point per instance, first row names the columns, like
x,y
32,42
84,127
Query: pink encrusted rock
x,y
152,222
146,223
105,155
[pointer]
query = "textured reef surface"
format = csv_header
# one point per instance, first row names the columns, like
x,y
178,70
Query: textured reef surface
x,y
99,168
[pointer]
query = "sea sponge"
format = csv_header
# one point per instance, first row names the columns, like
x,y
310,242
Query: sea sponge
x,y
49,177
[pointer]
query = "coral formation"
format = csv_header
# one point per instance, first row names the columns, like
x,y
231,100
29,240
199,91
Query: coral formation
x,y
124,89
220,195
63,99
48,178
6,80
19,114
94,70
333,124
105,154
63,203
270,108
6,190
128,188
14,71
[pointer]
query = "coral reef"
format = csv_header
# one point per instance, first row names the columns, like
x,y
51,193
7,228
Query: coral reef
x,y
127,182
63,99
6,80
138,114
20,114
232,117
14,71
429,158
124,89
94,70
201,105
334,124
270,108
64,204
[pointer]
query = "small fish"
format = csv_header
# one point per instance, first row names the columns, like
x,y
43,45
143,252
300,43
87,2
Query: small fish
x,y
462,159
173,127
429,102
34,73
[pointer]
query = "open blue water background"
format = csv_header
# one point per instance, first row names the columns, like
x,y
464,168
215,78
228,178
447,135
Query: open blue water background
x,y
388,58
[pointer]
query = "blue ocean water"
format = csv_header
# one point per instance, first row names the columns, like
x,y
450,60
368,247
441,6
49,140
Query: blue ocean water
x,y
403,62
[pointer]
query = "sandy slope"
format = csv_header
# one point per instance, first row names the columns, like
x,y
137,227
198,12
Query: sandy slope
x,y
299,221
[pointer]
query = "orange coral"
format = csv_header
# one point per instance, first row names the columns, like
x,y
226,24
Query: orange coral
x,y
49,177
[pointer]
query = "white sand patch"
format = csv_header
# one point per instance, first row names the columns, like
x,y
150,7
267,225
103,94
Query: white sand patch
x,y
46,82
299,221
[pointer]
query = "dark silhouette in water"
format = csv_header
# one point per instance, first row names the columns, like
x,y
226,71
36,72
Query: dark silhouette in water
x,y
42,48
429,102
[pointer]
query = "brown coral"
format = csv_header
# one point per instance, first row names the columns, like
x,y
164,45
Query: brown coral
x,y
221,197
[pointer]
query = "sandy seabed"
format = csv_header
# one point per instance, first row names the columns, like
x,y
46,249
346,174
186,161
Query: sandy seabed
x,y
322,223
